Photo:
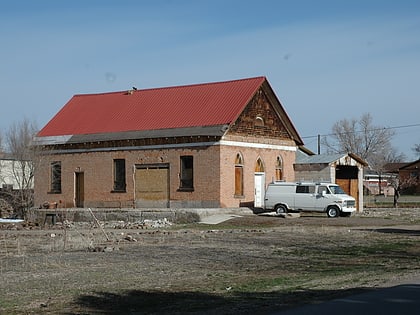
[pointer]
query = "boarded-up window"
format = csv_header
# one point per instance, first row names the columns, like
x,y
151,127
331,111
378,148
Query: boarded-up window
x,y
186,173
259,166
239,175
56,177
152,185
119,175
279,168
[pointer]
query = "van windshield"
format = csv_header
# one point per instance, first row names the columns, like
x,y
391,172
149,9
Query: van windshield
x,y
337,190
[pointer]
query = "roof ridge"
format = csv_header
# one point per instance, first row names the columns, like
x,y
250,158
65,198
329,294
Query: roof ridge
x,y
173,86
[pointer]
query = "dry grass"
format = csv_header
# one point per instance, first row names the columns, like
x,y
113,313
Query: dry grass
x,y
252,264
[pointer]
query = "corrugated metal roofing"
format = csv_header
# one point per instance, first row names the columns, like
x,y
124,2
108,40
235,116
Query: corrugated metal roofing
x,y
302,158
321,158
207,104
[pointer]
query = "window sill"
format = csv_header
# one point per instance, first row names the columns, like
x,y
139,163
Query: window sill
x,y
238,196
185,189
54,192
118,191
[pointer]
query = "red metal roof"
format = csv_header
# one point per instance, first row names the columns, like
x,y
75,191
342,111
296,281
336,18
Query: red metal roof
x,y
205,104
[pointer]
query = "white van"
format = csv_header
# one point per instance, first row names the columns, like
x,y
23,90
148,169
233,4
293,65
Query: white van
x,y
322,197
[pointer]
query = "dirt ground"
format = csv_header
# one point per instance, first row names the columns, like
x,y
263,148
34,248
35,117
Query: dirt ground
x,y
252,264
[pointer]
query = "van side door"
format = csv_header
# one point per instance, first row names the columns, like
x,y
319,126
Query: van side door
x,y
305,197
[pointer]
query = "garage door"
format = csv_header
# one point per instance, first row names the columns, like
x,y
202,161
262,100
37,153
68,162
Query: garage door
x,y
152,186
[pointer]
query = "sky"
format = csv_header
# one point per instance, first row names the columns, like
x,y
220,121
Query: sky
x,y
326,60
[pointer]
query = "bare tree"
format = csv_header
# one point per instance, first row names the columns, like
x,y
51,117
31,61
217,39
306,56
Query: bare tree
x,y
360,136
21,156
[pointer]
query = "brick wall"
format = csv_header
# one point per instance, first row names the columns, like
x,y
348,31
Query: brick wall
x,y
98,177
214,183
250,156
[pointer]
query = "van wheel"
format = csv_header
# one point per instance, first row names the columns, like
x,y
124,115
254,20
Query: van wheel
x,y
333,212
280,209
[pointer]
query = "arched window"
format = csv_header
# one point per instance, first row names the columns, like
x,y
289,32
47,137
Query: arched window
x,y
239,175
259,121
279,168
259,166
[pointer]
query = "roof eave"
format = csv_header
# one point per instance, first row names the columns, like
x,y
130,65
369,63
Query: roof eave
x,y
212,131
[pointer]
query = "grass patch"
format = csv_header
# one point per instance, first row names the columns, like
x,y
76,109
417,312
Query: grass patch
x,y
283,284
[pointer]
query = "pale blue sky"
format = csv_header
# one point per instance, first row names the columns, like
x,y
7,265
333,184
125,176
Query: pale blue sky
x,y
326,60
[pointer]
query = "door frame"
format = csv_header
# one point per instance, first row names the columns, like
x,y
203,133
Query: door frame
x,y
79,189
259,189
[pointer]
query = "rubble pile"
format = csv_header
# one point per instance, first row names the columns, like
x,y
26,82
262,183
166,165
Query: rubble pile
x,y
66,224
144,224
118,225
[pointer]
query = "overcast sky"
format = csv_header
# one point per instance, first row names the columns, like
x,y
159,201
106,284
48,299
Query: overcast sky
x,y
326,60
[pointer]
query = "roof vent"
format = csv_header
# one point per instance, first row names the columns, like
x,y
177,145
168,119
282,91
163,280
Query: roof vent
x,y
130,92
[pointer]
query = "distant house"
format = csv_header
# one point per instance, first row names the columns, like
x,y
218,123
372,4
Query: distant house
x,y
15,174
409,175
377,183
203,145
345,170
16,185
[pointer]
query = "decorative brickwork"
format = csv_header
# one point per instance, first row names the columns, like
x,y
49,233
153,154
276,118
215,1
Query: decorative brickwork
x,y
259,119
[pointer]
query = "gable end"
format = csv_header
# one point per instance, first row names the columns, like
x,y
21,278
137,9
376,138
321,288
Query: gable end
x,y
260,119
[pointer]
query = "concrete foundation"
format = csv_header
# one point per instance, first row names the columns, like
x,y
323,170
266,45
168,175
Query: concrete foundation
x,y
128,215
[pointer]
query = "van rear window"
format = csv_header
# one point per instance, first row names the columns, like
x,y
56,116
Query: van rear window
x,y
302,189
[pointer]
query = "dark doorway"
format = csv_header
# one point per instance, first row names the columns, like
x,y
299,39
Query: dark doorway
x,y
79,189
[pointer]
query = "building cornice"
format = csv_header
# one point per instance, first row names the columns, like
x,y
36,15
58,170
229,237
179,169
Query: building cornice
x,y
175,146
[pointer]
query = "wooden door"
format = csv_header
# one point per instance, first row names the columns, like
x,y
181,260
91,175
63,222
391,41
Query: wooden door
x,y
350,187
79,194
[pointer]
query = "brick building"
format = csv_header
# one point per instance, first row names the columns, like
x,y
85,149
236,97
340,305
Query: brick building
x,y
410,177
203,145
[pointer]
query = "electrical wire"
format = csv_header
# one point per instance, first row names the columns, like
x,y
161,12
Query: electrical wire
x,y
384,128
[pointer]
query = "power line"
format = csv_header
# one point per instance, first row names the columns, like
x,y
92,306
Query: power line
x,y
384,128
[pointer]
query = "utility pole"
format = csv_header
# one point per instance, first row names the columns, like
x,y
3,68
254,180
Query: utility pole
x,y
319,144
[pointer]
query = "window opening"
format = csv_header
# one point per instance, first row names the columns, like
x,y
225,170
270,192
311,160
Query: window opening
x,y
119,175
279,168
186,173
259,166
259,121
56,177
322,189
239,175
304,189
